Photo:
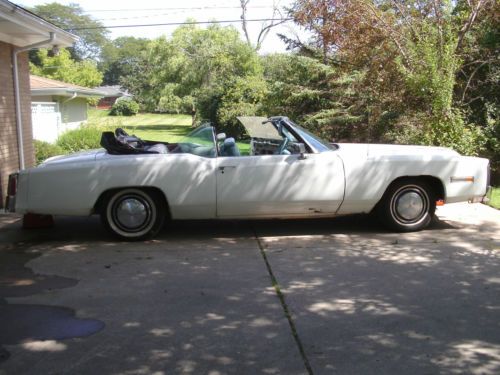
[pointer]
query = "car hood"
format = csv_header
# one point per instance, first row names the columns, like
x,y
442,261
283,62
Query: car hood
x,y
381,150
77,157
259,127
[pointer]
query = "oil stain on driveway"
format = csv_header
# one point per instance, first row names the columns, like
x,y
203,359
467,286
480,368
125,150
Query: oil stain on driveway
x,y
34,326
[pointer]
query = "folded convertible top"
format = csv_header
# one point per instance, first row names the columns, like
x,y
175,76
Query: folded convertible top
x,y
115,147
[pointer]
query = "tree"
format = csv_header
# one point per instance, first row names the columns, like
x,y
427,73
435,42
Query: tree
x,y
409,52
72,18
63,68
119,56
478,82
194,71
276,19
315,95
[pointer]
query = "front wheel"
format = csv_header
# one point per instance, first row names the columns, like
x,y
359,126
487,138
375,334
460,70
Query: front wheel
x,y
134,214
407,206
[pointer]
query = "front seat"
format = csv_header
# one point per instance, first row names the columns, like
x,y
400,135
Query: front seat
x,y
229,148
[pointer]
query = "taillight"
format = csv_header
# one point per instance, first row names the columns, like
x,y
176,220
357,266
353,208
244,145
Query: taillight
x,y
12,186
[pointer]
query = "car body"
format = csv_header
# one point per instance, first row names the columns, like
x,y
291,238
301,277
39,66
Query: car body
x,y
289,173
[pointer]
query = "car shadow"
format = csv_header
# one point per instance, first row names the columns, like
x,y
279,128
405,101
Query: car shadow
x,y
90,229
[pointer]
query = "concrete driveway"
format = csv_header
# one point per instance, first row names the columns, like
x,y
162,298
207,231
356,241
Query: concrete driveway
x,y
339,296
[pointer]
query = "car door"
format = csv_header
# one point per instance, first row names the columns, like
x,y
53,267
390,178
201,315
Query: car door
x,y
279,185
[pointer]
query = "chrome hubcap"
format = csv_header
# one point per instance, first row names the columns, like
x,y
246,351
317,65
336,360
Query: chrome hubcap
x,y
131,213
410,205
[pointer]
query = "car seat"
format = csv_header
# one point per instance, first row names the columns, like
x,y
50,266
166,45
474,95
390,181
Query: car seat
x,y
229,148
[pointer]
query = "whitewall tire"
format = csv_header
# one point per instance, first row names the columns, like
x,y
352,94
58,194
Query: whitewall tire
x,y
134,214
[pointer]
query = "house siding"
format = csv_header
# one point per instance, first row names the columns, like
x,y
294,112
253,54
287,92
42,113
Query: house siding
x,y
9,150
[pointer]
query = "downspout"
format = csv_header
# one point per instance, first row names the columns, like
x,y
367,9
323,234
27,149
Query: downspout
x,y
17,97
75,94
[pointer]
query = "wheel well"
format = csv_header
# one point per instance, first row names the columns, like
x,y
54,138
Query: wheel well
x,y
434,183
101,201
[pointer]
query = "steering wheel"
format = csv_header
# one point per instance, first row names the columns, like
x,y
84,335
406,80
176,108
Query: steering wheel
x,y
282,146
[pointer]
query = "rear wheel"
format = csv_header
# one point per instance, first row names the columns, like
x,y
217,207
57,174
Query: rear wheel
x,y
407,206
134,214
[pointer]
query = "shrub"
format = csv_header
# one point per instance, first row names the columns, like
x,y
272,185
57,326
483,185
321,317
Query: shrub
x,y
423,129
45,150
86,137
124,107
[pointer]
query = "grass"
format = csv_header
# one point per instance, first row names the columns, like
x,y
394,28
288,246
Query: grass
x,y
151,126
495,198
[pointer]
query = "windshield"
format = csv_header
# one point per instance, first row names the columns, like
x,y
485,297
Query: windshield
x,y
319,144
199,142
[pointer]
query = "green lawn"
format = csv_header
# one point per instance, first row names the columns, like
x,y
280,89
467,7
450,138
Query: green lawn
x,y
495,198
150,126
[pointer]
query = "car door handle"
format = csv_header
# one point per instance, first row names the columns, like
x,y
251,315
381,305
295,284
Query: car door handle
x,y
224,167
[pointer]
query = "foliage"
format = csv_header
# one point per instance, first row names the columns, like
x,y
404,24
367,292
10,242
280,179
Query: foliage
x,y
242,97
124,107
63,68
407,56
118,57
315,95
86,137
495,198
72,18
45,150
329,21
477,89
193,71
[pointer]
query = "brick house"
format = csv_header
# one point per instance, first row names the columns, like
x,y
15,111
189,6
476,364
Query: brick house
x,y
20,31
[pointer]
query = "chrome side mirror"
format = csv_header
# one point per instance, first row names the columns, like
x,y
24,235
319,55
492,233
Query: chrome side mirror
x,y
302,151
221,136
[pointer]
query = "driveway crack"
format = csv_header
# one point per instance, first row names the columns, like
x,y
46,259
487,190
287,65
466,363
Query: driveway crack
x,y
284,305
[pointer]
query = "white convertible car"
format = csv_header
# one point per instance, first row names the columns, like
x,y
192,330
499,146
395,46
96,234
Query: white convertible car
x,y
135,185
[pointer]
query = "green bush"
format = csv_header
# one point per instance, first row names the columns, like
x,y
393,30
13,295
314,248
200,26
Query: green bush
x,y
86,137
124,107
45,150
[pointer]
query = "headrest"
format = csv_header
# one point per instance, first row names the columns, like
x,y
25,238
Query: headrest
x,y
229,142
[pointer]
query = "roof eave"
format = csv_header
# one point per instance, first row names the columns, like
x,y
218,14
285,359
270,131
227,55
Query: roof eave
x,y
66,92
38,26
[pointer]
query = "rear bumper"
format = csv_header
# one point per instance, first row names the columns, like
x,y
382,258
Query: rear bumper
x,y
483,198
10,201
487,196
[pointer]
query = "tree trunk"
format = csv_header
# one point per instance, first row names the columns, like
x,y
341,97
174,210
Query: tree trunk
x,y
193,116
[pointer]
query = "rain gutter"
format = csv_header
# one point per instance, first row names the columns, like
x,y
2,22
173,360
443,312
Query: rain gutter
x,y
15,70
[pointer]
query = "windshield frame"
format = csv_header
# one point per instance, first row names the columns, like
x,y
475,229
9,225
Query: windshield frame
x,y
189,136
317,145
